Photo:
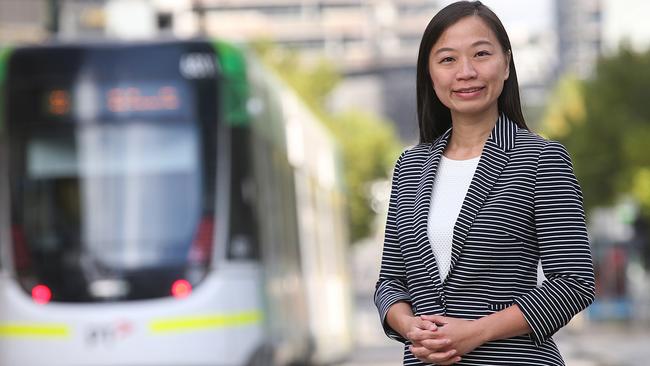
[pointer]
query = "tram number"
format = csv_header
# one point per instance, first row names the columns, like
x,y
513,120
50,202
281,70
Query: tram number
x,y
108,334
198,65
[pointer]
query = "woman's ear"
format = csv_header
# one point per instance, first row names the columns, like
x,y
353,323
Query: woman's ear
x,y
508,60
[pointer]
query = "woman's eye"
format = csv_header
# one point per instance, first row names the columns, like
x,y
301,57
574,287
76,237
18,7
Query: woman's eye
x,y
483,53
446,60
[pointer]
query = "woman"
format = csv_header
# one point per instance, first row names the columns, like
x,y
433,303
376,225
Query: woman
x,y
475,207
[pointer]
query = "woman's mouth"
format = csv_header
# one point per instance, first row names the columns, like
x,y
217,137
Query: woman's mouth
x,y
469,92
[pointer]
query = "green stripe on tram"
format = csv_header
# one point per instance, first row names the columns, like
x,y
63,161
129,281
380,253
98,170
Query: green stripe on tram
x,y
34,331
218,321
234,97
4,58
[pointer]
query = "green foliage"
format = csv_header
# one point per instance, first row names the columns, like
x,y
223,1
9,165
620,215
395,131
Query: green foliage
x,y
566,107
370,149
605,124
369,144
312,82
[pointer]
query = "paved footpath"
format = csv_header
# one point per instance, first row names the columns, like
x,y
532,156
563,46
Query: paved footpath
x,y
606,345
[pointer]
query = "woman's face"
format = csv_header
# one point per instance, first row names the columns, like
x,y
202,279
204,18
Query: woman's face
x,y
468,68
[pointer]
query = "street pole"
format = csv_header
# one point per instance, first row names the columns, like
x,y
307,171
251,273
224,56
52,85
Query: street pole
x,y
199,10
53,17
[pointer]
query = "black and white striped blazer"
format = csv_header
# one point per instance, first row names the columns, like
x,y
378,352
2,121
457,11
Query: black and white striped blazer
x,y
523,204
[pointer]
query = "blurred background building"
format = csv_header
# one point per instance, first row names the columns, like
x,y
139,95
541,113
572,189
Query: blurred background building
x,y
374,43
579,34
23,21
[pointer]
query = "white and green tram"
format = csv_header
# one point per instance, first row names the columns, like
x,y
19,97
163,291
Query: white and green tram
x,y
165,203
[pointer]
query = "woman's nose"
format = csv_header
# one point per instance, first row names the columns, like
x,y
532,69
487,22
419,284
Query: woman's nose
x,y
466,70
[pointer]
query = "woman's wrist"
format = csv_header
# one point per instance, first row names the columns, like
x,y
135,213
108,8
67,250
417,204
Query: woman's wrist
x,y
484,330
404,325
399,317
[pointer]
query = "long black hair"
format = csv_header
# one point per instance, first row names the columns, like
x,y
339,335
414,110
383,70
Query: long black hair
x,y
434,118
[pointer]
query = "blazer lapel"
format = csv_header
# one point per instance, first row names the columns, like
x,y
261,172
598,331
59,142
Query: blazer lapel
x,y
493,160
422,204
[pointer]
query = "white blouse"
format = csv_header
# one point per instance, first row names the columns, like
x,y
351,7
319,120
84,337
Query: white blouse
x,y
449,189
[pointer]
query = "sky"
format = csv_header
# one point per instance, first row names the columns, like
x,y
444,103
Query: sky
x,y
626,20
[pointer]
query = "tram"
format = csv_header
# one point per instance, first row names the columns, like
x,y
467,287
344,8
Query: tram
x,y
165,203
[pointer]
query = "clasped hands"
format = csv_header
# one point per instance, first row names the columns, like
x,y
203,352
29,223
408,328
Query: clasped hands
x,y
442,340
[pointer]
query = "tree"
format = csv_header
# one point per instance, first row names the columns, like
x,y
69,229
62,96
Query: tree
x,y
370,149
369,144
605,123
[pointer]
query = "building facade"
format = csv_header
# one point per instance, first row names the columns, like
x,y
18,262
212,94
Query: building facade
x,y
579,32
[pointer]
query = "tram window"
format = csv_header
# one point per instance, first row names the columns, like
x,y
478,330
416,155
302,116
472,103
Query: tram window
x,y
263,181
243,223
53,157
284,210
291,228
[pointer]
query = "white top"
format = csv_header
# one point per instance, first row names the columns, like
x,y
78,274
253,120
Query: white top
x,y
449,189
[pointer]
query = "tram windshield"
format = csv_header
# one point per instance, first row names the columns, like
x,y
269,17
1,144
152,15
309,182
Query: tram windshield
x,y
109,202
129,179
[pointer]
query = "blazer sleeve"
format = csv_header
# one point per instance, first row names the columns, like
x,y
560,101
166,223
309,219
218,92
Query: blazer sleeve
x,y
563,247
391,286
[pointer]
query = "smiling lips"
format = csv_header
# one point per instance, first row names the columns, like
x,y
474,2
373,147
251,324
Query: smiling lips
x,y
469,92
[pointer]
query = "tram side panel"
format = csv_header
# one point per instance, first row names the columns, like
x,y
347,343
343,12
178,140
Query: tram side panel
x,y
276,207
314,156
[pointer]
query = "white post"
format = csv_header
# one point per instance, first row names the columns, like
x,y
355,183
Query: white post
x,y
130,19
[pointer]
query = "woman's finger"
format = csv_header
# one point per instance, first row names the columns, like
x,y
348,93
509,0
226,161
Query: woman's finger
x,y
420,330
436,319
435,344
425,354
418,335
441,357
421,353
451,361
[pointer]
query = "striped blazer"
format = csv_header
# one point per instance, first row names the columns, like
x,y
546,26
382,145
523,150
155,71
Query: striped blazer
x,y
523,205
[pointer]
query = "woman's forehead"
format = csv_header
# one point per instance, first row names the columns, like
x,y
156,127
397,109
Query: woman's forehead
x,y
466,32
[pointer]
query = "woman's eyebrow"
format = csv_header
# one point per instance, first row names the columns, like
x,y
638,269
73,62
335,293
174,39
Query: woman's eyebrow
x,y
475,44
444,49
482,42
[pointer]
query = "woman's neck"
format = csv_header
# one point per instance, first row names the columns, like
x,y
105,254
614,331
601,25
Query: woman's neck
x,y
469,135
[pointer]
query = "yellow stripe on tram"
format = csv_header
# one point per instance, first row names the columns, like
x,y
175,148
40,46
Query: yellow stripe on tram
x,y
34,331
190,323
